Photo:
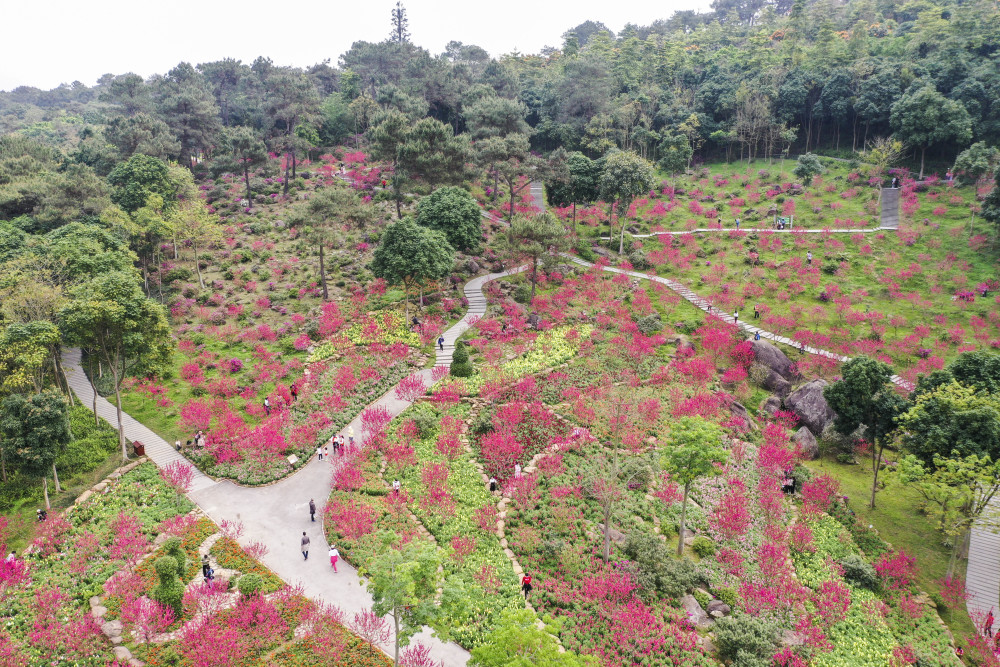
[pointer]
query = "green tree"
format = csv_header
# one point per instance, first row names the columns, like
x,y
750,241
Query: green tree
x,y
411,255
692,451
517,641
455,213
976,161
25,349
625,177
581,186
185,100
923,117
128,332
34,429
950,418
807,167
194,224
675,153
530,240
865,397
319,217
388,134
991,204
245,151
434,154
138,178
291,100
409,586
493,116
957,493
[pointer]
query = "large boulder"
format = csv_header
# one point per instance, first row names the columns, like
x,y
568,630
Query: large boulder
x,y
718,609
809,404
770,405
807,443
778,384
768,355
698,617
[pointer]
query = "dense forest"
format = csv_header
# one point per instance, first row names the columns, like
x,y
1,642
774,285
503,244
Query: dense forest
x,y
749,78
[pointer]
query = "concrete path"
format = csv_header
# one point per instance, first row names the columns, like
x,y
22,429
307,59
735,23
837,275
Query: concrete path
x,y
982,576
278,514
157,449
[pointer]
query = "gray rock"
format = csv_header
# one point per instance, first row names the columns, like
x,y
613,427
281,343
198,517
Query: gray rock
x,y
617,536
809,404
472,266
122,653
718,609
694,612
601,251
778,384
768,355
807,443
112,629
771,405
98,611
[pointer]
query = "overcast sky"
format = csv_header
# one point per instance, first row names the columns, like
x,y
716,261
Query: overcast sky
x,y
60,41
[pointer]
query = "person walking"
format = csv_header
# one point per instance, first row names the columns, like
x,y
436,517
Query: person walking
x,y
441,343
326,451
334,557
206,567
305,546
312,509
736,317
493,484
294,391
350,434
267,406
809,257
319,453
988,623
517,470
336,444
737,224
395,486
526,585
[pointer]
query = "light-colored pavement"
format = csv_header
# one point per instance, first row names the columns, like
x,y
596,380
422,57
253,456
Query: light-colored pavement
x,y
278,514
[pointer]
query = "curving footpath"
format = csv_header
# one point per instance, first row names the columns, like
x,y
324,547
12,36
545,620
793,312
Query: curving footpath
x,y
278,514
982,579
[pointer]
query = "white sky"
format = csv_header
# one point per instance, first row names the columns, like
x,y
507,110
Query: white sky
x,y
59,41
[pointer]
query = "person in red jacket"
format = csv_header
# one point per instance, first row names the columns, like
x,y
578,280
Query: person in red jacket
x,y
526,585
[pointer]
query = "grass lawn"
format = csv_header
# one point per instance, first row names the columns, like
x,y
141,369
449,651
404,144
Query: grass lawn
x,y
900,523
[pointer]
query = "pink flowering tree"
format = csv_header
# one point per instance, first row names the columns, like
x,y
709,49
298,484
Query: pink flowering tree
x,y
144,618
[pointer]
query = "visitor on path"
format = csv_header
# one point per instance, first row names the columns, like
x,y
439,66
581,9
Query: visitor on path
x,y
294,391
319,453
395,486
736,317
41,515
737,223
312,509
336,444
756,335
756,313
441,343
267,406
526,585
895,182
326,451
517,470
350,434
305,546
949,176
493,484
988,623
809,257
11,557
334,557
206,567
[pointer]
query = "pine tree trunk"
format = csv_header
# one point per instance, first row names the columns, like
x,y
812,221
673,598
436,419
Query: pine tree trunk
x,y
55,476
93,388
61,372
246,177
395,659
121,425
607,532
923,150
197,266
322,274
680,536
45,488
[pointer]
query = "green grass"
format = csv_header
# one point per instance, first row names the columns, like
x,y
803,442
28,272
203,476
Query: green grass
x,y
902,525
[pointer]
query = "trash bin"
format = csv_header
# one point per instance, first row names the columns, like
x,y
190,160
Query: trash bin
x,y
140,449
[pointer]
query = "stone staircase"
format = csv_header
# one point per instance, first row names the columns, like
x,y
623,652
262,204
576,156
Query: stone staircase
x,y
889,217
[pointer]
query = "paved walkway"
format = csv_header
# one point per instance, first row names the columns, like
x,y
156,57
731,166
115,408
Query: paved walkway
x,y
157,449
982,579
278,514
